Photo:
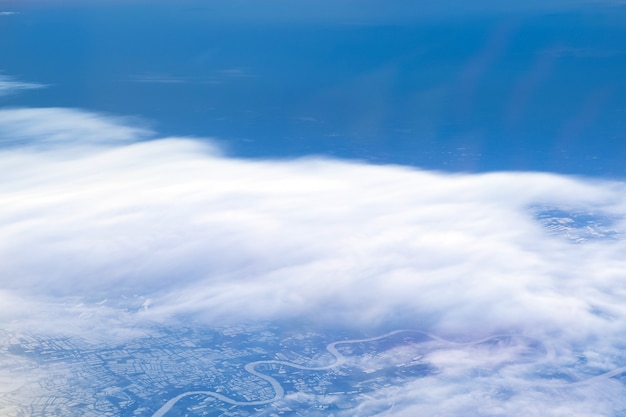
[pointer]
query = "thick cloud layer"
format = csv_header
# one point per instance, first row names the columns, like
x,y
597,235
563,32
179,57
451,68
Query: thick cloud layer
x,y
174,222
101,230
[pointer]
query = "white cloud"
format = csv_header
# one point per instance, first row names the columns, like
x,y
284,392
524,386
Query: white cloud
x,y
173,220
43,128
490,397
196,233
9,85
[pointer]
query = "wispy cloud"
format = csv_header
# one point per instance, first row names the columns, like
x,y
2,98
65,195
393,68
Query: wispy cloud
x,y
215,77
561,52
9,85
57,126
610,3
235,73
158,79
171,228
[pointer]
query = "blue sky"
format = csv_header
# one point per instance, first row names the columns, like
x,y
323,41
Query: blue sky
x,y
483,87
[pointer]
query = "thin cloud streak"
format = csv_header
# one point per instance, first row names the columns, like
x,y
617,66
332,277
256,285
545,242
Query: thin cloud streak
x,y
9,85
54,127
216,77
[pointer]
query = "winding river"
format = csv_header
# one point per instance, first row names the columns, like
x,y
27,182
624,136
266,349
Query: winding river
x,y
279,391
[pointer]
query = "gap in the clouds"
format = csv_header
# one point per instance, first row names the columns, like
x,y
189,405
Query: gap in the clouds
x,y
269,368
578,225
